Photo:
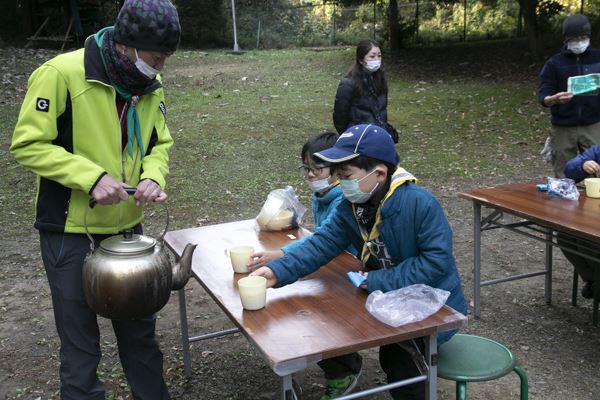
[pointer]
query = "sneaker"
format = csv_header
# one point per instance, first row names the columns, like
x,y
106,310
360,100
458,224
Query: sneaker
x,y
587,291
340,387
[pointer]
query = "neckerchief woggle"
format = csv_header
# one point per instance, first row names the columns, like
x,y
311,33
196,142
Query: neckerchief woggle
x,y
133,120
399,177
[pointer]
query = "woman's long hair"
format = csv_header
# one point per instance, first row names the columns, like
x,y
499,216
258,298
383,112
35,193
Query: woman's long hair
x,y
357,71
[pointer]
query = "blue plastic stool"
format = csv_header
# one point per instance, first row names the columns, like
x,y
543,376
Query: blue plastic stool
x,y
469,358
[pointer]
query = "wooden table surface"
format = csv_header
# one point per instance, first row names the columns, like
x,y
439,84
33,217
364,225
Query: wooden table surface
x,y
318,317
579,217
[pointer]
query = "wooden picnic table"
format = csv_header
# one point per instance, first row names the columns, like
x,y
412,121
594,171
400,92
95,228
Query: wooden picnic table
x,y
542,217
318,317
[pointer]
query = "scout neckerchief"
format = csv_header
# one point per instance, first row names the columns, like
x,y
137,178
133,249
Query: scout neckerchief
x,y
127,81
399,177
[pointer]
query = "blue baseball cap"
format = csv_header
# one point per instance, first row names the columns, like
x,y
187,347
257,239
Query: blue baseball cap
x,y
365,140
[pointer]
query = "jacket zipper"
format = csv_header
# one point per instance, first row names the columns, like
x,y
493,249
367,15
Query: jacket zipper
x,y
579,103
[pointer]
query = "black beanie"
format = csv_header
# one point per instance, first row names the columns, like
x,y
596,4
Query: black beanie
x,y
151,25
576,25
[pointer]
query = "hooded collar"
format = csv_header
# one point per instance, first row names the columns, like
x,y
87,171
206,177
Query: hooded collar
x,y
330,196
94,69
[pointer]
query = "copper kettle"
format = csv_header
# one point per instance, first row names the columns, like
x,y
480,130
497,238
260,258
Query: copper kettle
x,y
130,275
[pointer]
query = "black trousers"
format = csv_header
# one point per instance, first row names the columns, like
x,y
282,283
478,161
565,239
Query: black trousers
x,y
583,266
396,362
63,255
342,366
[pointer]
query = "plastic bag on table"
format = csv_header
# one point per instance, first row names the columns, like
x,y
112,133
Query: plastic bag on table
x,y
563,187
282,210
409,304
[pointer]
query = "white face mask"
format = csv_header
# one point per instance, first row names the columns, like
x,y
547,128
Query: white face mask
x,y
352,192
144,68
373,65
319,186
579,46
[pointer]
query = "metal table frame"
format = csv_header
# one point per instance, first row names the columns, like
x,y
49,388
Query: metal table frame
x,y
536,231
287,391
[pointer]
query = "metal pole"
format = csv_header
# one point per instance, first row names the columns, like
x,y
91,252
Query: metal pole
x,y
332,40
258,34
465,23
417,23
548,260
374,17
236,48
185,334
476,259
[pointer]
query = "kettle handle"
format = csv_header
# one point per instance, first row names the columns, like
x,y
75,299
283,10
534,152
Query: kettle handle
x,y
130,191
92,204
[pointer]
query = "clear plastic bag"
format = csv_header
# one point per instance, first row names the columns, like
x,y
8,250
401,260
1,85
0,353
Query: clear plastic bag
x,y
409,304
563,187
282,210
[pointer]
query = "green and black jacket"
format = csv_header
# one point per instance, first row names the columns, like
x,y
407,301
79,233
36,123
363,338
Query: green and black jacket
x,y
68,133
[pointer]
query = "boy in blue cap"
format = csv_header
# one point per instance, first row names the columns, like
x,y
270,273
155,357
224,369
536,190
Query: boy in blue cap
x,y
400,230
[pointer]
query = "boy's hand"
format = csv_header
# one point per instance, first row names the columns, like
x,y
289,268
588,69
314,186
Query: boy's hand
x,y
591,167
366,275
261,258
266,272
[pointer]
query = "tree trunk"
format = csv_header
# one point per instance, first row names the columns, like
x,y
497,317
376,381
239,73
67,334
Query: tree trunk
x,y
394,25
527,10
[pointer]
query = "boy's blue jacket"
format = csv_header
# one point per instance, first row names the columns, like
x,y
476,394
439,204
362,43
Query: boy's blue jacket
x,y
415,232
322,210
574,167
581,110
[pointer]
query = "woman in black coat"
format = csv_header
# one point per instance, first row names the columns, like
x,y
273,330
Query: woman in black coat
x,y
361,96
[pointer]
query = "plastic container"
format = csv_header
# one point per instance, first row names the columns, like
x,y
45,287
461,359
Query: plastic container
x,y
253,292
592,187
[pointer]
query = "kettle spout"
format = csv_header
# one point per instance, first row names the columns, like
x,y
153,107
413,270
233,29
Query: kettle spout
x,y
183,269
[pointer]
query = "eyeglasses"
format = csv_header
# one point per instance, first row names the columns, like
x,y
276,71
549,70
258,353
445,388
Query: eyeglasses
x,y
305,169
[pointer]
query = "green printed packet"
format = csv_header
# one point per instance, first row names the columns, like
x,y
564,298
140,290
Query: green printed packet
x,y
584,85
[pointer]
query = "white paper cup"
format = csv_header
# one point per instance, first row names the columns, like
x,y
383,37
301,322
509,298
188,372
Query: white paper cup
x,y
253,292
592,187
240,257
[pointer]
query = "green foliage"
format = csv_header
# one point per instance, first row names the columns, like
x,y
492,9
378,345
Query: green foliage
x,y
280,24
484,21
365,25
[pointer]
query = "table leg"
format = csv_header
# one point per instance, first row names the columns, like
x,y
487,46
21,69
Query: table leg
x,y
548,285
287,388
431,358
185,338
476,258
596,296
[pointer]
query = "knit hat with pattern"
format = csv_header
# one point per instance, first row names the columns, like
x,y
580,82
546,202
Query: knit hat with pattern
x,y
576,25
151,25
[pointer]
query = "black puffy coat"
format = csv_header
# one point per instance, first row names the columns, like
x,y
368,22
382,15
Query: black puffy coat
x,y
351,108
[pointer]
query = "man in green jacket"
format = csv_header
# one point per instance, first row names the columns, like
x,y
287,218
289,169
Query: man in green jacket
x,y
92,123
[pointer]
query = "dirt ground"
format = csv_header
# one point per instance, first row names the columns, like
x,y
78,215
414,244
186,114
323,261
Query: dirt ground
x,y
556,344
